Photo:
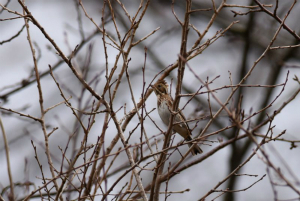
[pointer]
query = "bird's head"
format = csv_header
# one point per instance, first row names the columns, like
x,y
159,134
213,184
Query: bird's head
x,y
160,87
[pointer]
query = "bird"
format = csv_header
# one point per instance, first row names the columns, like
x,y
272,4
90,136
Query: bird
x,y
164,107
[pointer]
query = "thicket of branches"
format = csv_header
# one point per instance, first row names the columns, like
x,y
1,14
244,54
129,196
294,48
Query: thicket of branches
x,y
96,135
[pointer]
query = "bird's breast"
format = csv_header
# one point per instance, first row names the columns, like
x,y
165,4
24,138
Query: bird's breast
x,y
164,112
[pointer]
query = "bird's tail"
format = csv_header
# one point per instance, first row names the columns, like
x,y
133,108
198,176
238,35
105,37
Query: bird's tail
x,y
196,149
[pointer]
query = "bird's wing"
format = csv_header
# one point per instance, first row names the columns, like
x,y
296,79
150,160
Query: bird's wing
x,y
180,118
184,123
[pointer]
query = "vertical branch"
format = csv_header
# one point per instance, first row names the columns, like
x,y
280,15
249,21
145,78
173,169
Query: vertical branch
x,y
155,188
183,54
41,101
8,161
236,154
79,19
94,172
143,131
127,150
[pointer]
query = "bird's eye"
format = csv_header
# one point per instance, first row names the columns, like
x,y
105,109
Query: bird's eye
x,y
159,86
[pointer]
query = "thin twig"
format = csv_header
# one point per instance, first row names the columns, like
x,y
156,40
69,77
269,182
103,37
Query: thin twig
x,y
7,160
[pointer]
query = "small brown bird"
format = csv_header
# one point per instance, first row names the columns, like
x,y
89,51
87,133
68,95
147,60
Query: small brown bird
x,y
164,106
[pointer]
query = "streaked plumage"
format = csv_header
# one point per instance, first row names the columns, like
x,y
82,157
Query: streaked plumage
x,y
164,106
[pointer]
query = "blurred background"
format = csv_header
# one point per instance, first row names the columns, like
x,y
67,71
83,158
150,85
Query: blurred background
x,y
231,55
